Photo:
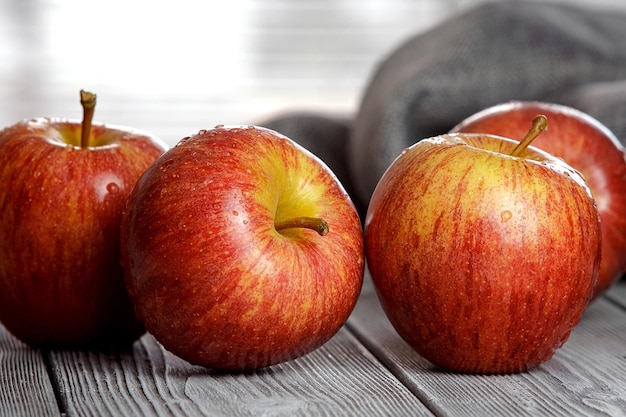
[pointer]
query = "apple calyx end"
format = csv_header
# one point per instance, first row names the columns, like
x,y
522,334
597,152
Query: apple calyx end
x,y
317,224
538,125
88,101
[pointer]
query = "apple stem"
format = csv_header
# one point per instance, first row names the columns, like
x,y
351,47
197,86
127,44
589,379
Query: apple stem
x,y
538,125
88,101
313,223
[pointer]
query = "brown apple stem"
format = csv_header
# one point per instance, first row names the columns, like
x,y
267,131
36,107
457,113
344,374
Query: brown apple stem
x,y
538,125
313,223
88,101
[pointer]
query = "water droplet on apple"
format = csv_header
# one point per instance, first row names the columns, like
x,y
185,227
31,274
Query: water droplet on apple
x,y
113,188
165,165
183,141
506,215
235,213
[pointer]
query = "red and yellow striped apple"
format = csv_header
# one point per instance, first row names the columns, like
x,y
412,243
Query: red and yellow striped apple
x,y
484,252
63,184
241,249
589,147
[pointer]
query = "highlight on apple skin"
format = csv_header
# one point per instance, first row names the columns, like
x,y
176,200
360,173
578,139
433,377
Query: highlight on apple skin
x,y
63,186
241,249
589,147
483,257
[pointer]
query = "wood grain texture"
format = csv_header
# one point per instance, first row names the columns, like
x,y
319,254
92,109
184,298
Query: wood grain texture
x,y
584,378
25,388
340,379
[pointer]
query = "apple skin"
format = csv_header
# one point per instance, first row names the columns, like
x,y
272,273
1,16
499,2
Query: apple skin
x,y
483,262
209,274
586,145
60,213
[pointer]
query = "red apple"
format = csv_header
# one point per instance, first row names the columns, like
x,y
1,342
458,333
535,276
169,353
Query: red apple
x,y
586,145
64,184
483,253
241,249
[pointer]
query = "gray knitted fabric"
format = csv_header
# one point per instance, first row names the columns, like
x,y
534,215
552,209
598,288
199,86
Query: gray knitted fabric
x,y
494,53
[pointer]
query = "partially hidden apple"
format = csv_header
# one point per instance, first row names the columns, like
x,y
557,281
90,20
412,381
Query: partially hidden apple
x,y
586,145
63,184
484,252
241,249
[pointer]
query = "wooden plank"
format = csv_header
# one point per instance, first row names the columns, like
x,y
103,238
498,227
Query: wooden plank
x,y
340,379
25,389
584,378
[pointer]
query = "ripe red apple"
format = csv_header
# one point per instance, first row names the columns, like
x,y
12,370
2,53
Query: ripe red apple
x,y
241,249
586,145
63,187
483,253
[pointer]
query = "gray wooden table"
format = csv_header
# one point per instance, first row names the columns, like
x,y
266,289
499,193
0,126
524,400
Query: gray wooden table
x,y
365,370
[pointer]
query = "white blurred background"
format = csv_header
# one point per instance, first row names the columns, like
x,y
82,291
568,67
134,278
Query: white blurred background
x,y
174,68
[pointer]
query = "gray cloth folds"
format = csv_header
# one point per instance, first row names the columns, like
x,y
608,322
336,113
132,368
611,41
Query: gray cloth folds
x,y
494,53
